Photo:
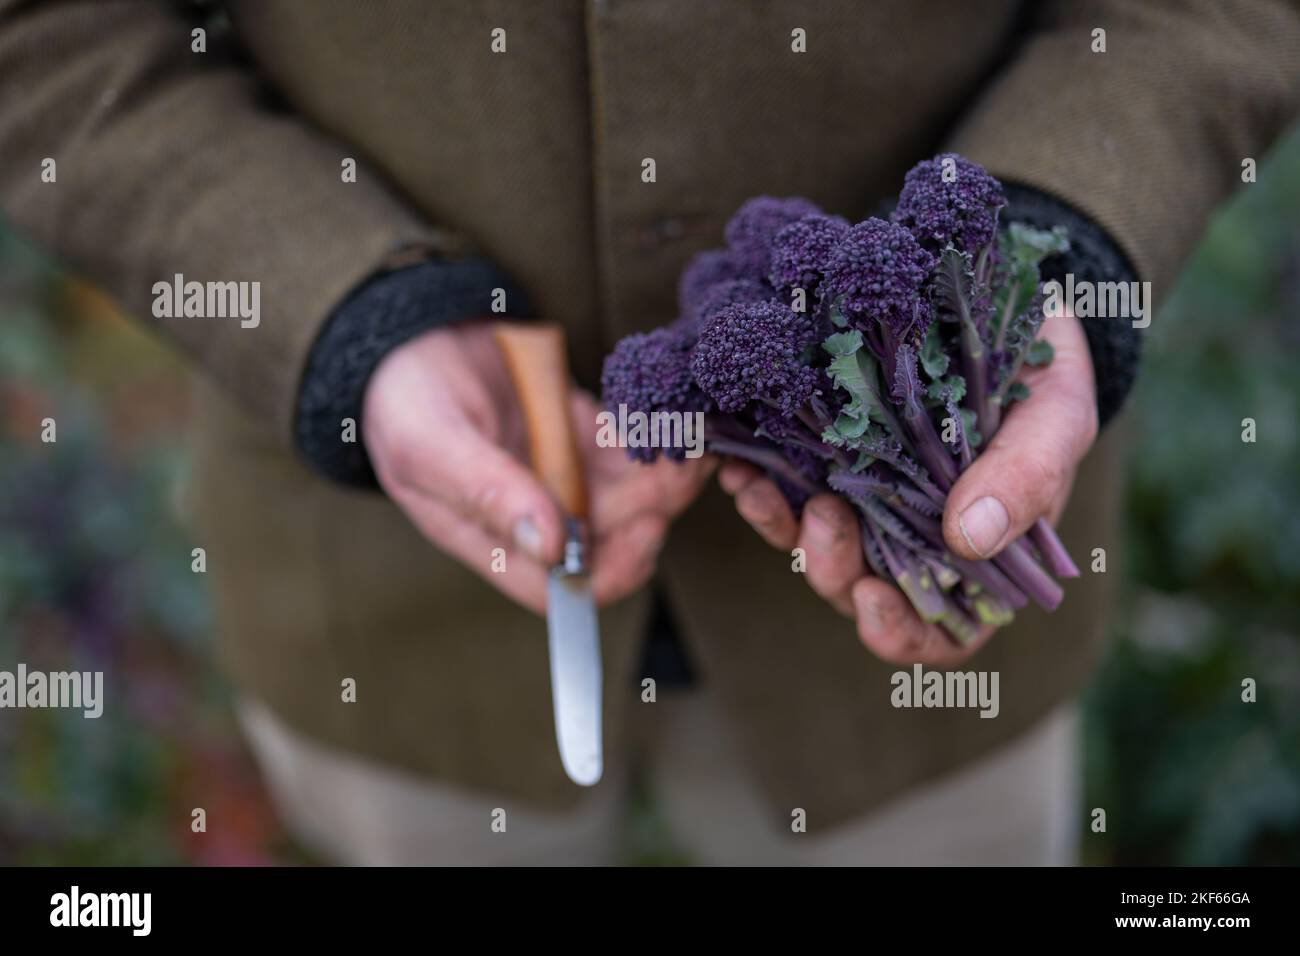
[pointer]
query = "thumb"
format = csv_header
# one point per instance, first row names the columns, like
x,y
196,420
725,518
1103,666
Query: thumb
x,y
1027,469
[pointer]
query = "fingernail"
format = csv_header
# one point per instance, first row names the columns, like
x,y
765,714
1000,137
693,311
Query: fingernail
x,y
528,538
983,524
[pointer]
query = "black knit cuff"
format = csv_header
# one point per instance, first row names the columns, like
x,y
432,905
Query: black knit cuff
x,y
1116,346
379,315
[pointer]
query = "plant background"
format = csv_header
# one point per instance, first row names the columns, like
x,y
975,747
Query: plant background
x,y
95,574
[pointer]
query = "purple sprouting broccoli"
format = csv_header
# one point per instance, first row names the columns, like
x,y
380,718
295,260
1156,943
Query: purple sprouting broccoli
x,y
704,271
809,466
878,271
729,292
651,372
754,353
950,200
801,252
885,390
756,223
801,447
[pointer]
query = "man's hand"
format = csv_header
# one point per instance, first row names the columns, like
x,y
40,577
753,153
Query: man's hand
x,y
1024,474
447,441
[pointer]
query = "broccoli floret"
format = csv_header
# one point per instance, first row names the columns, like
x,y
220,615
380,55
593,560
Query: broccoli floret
x,y
702,273
651,372
755,225
801,251
879,269
731,292
962,211
752,353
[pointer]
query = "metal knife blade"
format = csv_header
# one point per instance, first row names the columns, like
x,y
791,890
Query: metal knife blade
x,y
574,642
535,355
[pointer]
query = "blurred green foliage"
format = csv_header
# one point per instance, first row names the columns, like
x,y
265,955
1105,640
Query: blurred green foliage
x,y
1187,771
95,576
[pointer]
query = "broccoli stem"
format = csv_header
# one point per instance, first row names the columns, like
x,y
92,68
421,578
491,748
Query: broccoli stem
x,y
815,424
816,446
1018,564
987,575
1013,576
928,488
915,499
1000,337
975,368
930,449
974,354
1055,556
767,458
995,401
957,624
965,454
994,405
986,609
918,583
947,576
875,559
914,581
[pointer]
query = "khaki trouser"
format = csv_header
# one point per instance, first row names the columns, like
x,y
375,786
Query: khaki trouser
x,y
1018,806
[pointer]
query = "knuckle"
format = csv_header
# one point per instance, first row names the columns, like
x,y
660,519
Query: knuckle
x,y
1042,474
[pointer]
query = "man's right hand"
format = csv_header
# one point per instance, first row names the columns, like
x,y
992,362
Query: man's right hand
x,y
445,435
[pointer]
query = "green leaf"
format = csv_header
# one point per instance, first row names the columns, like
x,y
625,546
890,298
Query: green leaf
x,y
843,343
849,426
1039,353
837,314
849,433
854,370
1035,245
952,388
1017,392
933,358
1023,248
968,422
954,281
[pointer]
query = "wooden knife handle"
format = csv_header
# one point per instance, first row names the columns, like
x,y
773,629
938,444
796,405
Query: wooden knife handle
x,y
535,355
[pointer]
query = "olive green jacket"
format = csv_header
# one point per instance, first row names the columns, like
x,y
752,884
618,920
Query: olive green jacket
x,y
228,167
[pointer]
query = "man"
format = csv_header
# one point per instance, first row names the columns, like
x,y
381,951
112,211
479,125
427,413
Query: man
x,y
388,172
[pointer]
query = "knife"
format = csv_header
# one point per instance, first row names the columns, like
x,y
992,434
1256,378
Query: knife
x,y
535,356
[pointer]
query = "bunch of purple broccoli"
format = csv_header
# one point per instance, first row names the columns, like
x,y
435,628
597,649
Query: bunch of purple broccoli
x,y
871,360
